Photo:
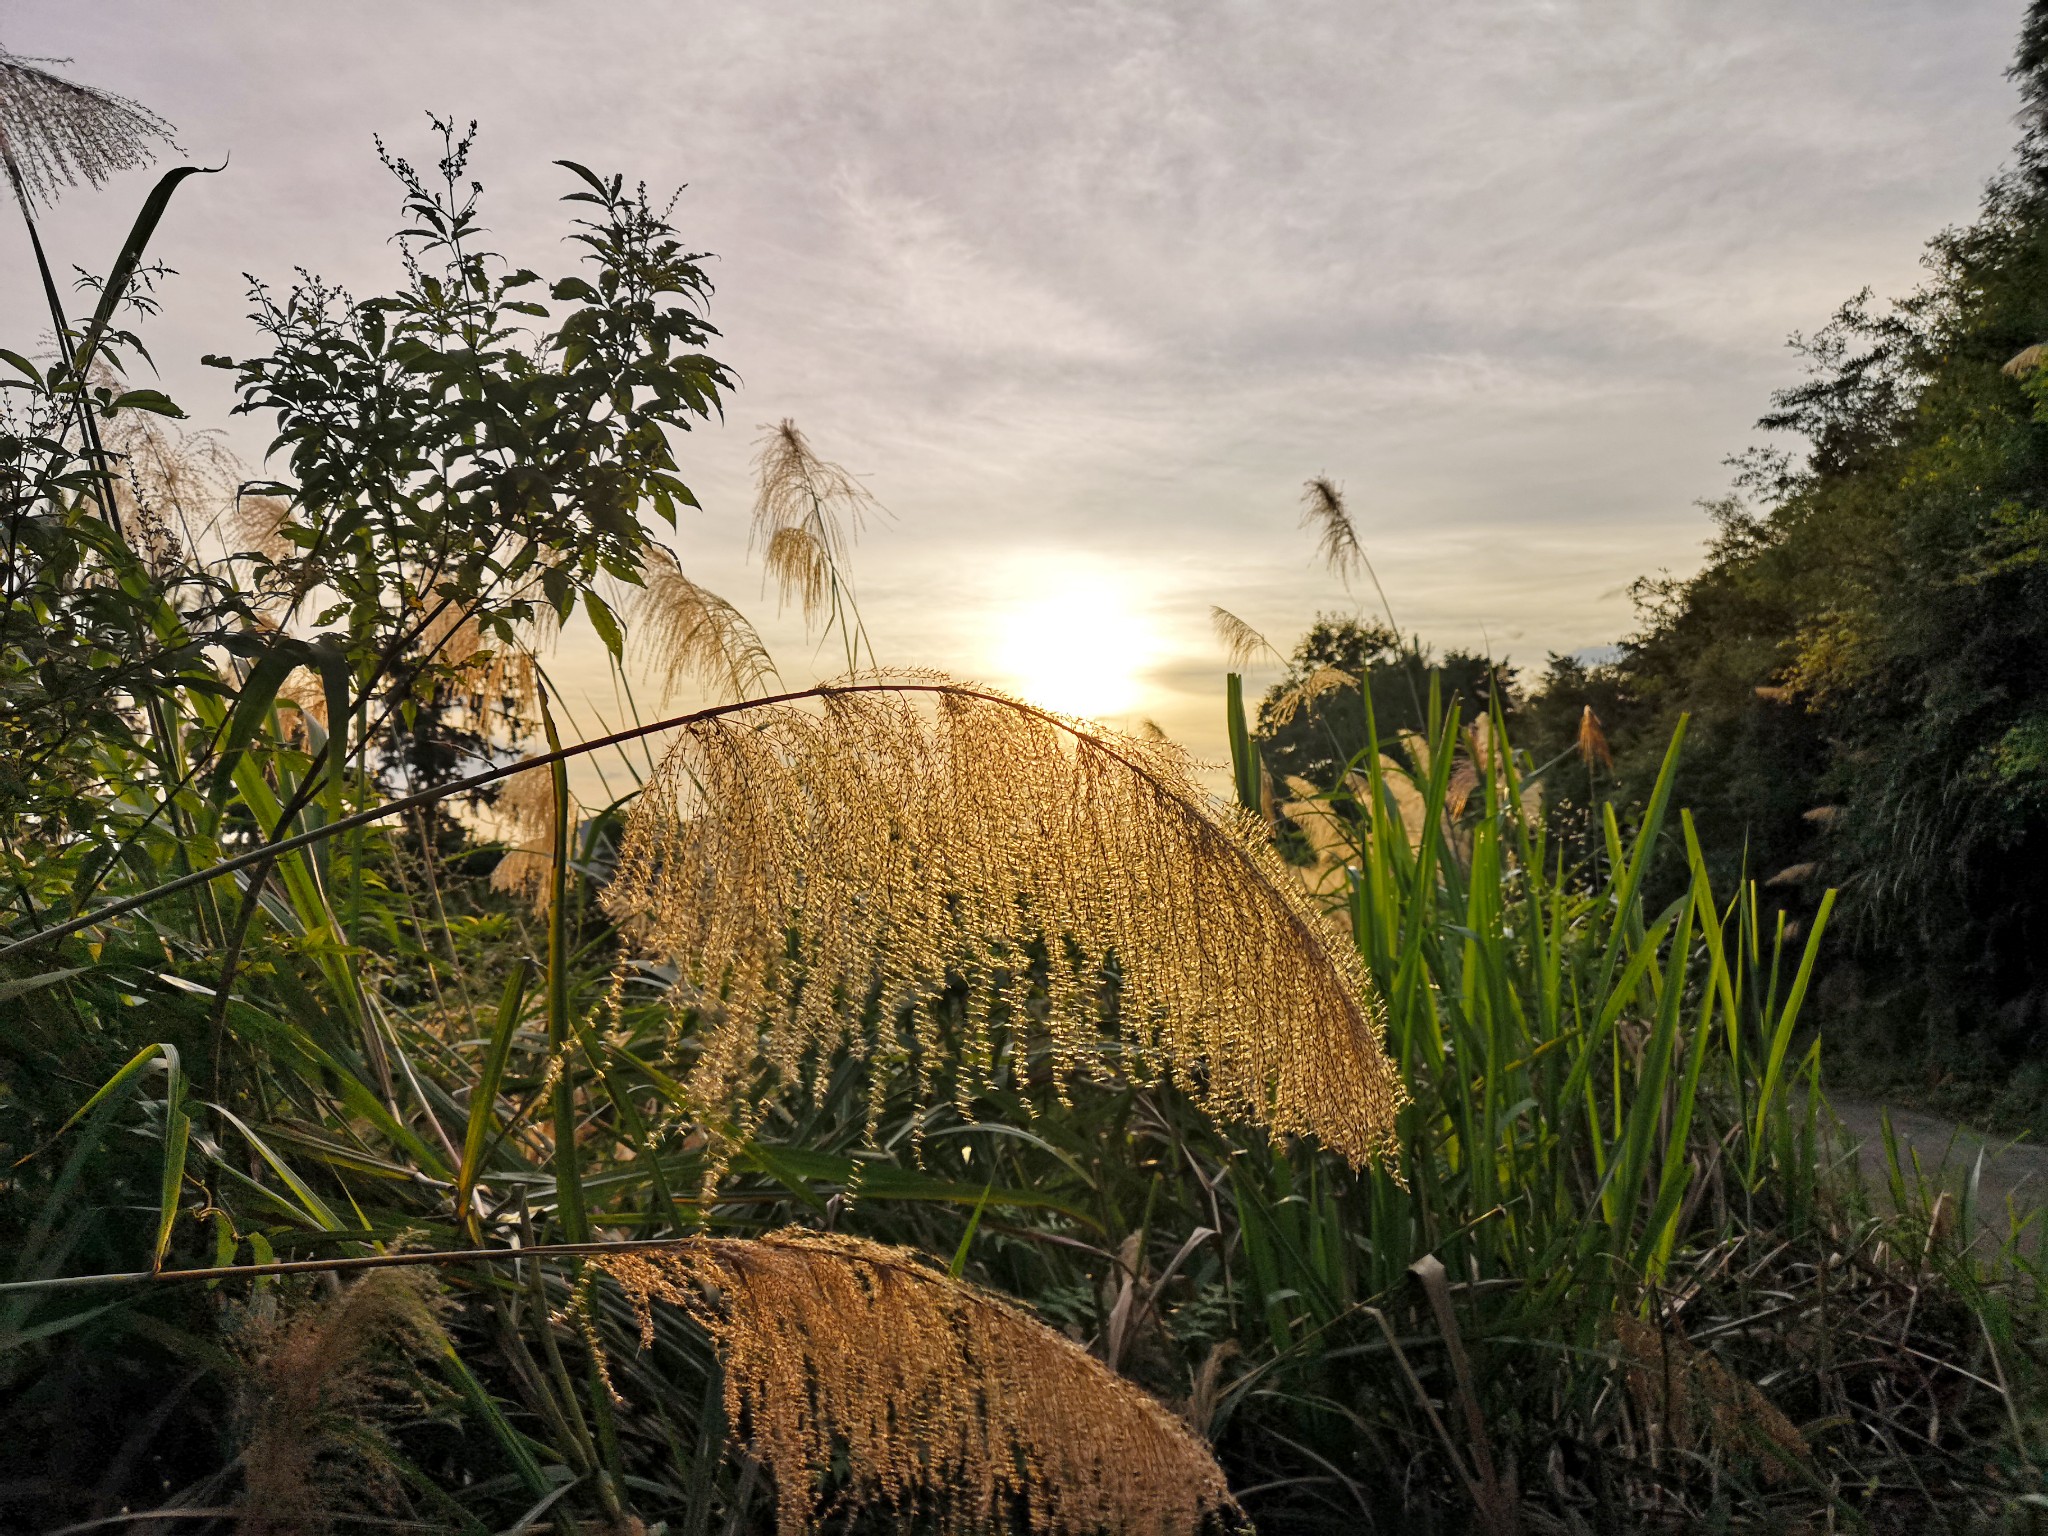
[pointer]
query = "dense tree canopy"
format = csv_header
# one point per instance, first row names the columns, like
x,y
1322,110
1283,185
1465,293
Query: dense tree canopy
x,y
1863,652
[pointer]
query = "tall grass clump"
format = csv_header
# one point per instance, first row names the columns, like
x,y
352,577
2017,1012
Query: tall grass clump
x,y
1624,1275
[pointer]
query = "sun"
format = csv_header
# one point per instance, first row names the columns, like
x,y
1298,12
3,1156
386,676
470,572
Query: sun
x,y
1074,642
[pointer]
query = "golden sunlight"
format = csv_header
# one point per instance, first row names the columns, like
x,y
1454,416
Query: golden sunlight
x,y
1075,644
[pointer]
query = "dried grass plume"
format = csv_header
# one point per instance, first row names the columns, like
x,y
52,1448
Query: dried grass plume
x,y
1323,512
807,514
319,1382
949,1405
683,631
1242,644
55,132
1592,742
526,809
913,872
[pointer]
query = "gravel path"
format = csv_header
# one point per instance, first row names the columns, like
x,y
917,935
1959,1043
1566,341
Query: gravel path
x,y
2013,1170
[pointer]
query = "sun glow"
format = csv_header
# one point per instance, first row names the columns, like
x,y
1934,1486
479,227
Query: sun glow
x,y
1074,642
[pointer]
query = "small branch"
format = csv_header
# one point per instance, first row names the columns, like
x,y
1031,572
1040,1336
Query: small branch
x,y
335,1266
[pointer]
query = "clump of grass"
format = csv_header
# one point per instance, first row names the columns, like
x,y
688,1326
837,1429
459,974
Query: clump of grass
x,y
317,1381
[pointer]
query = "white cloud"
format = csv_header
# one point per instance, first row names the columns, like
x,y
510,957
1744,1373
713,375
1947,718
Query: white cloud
x,y
1115,277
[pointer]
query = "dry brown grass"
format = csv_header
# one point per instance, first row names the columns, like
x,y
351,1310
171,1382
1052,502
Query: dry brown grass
x,y
946,1403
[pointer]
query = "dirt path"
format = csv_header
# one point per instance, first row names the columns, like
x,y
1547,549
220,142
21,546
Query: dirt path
x,y
2012,1170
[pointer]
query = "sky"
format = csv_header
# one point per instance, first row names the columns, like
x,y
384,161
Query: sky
x,y
1085,292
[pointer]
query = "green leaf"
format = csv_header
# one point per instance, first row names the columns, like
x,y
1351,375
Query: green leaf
x,y
25,984
604,622
152,400
177,1134
483,1097
252,705
122,273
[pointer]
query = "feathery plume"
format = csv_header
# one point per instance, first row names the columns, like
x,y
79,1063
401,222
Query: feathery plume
x,y
825,878
684,631
1322,508
317,1381
1242,644
798,489
1330,839
1592,741
255,524
2025,361
807,514
170,487
1304,693
493,673
526,809
1408,801
799,564
949,1404
55,133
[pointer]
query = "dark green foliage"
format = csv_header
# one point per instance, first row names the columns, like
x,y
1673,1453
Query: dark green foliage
x,y
1870,634
455,464
1323,735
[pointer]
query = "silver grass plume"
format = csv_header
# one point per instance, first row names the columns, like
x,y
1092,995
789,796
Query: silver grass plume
x,y
810,870
683,631
807,514
1323,509
1242,644
55,133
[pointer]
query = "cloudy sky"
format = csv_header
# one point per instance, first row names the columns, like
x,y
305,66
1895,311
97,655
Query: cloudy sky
x,y
1084,291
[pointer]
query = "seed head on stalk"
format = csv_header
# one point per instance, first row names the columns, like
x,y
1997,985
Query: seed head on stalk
x,y
927,876
942,1402
55,132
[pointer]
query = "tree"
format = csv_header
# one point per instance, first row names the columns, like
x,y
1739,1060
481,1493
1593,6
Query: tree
x,y
1865,653
1311,724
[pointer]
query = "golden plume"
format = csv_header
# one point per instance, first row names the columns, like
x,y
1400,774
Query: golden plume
x,y
1242,644
526,808
798,489
1304,693
807,514
811,871
2025,361
799,564
1592,742
950,1405
682,630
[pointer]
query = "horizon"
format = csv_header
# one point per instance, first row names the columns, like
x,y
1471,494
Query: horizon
x,y
1084,306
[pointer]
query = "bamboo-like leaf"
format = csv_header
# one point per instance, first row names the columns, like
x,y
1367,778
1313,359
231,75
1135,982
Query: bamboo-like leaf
x,y
483,1094
177,1135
